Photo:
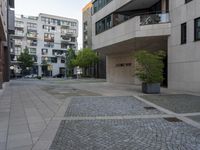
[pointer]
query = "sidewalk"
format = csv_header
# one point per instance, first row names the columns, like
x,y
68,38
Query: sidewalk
x,y
25,111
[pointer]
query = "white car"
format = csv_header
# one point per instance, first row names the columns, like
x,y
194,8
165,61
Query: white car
x,y
31,76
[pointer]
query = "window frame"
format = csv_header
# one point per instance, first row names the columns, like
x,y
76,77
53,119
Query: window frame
x,y
184,33
196,29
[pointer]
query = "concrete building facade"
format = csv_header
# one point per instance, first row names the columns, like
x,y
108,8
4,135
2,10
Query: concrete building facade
x,y
47,38
99,70
120,28
6,28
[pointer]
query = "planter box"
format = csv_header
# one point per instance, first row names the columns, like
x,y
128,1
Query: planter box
x,y
151,88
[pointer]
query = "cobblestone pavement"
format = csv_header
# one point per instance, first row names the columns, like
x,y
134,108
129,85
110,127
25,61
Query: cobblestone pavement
x,y
43,115
179,103
134,134
108,106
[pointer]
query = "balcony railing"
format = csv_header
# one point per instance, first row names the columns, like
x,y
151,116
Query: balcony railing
x,y
146,18
154,19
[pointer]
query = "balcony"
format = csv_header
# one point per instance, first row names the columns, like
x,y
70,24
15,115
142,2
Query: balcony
x,y
18,34
140,26
18,43
31,35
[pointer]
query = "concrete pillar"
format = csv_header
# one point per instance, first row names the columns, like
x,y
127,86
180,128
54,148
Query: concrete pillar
x,y
1,65
6,75
163,5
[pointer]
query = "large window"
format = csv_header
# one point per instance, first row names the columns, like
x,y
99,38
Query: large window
x,y
197,29
99,4
103,24
183,33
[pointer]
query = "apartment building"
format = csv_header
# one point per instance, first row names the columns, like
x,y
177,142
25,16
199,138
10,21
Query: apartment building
x,y
99,70
120,28
47,38
6,28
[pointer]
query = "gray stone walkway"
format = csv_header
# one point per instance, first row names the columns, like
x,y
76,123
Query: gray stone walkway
x,y
25,111
38,115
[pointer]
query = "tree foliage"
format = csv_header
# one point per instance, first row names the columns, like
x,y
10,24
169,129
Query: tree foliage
x,y
70,56
25,59
85,58
150,66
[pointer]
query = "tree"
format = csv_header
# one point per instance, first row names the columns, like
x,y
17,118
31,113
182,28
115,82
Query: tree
x,y
85,58
70,56
26,60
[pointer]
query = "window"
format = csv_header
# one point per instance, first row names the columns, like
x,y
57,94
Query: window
x,y
32,51
31,26
53,60
197,29
99,4
103,24
187,1
48,44
44,51
48,37
49,28
183,33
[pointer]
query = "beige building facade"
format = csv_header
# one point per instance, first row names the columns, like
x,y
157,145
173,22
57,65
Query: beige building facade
x,y
120,28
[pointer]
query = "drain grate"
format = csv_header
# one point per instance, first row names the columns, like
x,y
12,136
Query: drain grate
x,y
149,108
173,119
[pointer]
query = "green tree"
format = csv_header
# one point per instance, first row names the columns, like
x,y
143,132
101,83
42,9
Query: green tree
x,y
70,56
85,58
26,60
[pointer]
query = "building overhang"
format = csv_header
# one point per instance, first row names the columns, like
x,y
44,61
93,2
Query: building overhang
x,y
130,46
137,5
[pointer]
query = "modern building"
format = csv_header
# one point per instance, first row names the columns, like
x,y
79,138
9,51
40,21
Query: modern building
x,y
120,28
98,70
47,38
6,28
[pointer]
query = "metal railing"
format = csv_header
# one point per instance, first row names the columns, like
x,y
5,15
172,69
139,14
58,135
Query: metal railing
x,y
149,19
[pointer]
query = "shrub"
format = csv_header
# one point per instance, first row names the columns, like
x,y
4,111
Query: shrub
x,y
150,66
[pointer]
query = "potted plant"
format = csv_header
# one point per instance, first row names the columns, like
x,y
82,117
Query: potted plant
x,y
150,70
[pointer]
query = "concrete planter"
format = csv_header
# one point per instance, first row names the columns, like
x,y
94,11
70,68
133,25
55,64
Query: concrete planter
x,y
151,88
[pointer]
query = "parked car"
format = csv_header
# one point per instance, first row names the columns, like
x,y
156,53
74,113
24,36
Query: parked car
x,y
31,76
59,75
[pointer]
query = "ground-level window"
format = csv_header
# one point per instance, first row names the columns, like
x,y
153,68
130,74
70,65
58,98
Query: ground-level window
x,y
183,33
197,29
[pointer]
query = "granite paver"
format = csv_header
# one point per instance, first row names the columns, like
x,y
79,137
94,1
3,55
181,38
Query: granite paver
x,y
108,106
134,134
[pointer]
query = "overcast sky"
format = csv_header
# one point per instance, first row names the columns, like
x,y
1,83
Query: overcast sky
x,y
65,8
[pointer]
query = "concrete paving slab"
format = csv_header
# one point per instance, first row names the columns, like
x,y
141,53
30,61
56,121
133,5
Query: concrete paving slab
x,y
178,103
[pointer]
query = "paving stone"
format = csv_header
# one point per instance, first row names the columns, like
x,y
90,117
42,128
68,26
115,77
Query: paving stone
x,y
108,106
178,103
133,134
195,118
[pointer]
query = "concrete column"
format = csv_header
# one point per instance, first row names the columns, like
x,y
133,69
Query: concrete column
x,y
1,65
163,5
39,70
6,65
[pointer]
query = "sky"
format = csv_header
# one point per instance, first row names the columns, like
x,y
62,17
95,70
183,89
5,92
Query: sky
x,y
65,8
